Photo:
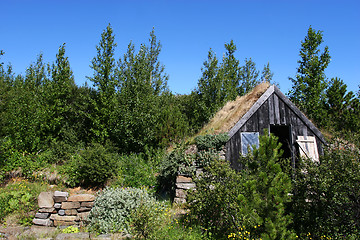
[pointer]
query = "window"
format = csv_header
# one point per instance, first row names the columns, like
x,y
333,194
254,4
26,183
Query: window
x,y
249,140
308,147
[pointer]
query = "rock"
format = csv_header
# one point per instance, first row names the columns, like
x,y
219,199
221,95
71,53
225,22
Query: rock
x,y
180,193
83,216
185,185
47,210
42,222
57,217
87,204
81,198
102,237
61,212
65,236
70,205
84,209
42,215
60,196
179,200
64,223
70,212
45,200
57,205
183,179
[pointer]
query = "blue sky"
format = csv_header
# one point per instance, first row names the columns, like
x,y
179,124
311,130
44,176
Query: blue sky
x,y
266,31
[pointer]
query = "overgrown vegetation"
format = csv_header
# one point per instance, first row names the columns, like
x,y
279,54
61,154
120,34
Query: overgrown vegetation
x,y
115,134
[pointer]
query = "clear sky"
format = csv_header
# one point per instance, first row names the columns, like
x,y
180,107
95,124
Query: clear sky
x,y
266,31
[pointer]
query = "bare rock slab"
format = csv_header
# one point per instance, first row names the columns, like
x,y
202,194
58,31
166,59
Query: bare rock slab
x,y
60,196
87,204
180,193
47,210
81,198
71,212
70,205
185,185
46,200
183,179
66,236
42,222
42,215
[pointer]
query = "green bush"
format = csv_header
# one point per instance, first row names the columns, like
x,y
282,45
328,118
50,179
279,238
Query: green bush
x,y
135,170
91,166
206,142
146,219
20,198
114,206
226,201
12,160
327,194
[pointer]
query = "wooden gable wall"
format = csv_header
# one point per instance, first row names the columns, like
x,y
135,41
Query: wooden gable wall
x,y
275,110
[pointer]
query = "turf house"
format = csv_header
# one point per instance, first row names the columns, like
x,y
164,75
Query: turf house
x,y
266,107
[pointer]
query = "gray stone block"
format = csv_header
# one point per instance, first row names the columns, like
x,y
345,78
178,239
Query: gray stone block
x,y
57,205
185,185
45,200
47,210
42,215
61,212
60,196
84,209
70,205
87,204
81,198
65,236
42,222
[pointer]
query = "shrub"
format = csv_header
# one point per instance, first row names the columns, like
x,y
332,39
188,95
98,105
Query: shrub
x,y
226,201
113,207
135,170
24,163
91,166
327,194
20,198
206,142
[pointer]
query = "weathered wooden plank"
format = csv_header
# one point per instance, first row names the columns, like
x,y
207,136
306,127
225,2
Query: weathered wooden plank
x,y
300,115
276,109
271,109
282,112
252,110
263,115
287,114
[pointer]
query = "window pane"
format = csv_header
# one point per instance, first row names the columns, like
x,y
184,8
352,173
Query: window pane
x,y
249,139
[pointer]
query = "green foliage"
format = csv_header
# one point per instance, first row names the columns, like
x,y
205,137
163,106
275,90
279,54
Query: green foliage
x,y
342,107
12,159
136,170
104,80
226,201
70,229
113,209
223,82
309,85
21,198
168,169
209,141
326,199
91,166
146,219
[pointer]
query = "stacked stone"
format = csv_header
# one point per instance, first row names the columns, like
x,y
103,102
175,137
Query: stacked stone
x,y
183,183
62,210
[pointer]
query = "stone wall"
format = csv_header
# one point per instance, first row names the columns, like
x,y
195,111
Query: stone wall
x,y
59,209
185,183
